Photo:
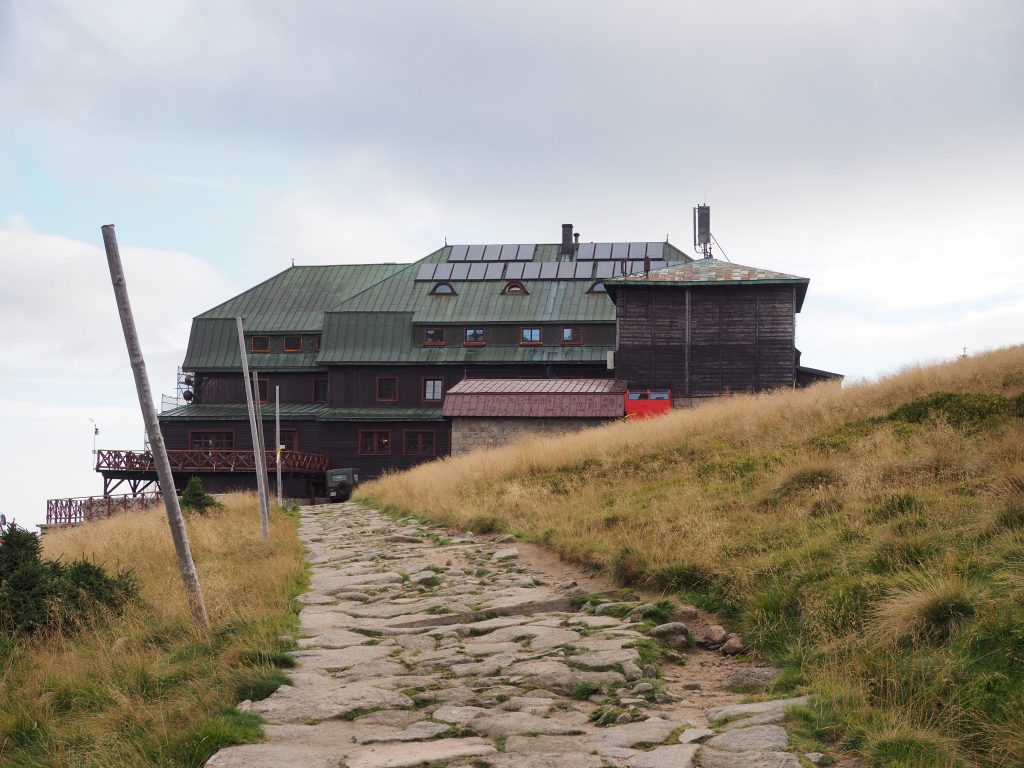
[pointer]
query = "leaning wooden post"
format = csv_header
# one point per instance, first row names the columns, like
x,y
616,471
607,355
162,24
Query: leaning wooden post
x,y
264,511
156,438
277,442
263,438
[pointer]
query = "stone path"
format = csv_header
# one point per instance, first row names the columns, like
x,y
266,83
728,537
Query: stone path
x,y
424,650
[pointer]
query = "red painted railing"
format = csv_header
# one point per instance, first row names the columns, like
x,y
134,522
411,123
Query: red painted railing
x,y
209,461
85,508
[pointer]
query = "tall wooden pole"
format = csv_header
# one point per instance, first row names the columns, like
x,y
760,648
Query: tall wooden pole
x,y
256,454
193,592
277,442
263,439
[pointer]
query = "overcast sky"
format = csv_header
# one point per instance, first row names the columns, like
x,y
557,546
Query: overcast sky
x,y
876,147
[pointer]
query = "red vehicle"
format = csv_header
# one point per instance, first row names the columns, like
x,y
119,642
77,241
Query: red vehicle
x,y
641,403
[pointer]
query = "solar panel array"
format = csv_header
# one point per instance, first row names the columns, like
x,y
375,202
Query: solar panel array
x,y
537,270
587,252
509,252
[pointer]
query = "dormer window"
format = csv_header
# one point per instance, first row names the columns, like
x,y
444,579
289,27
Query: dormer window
x,y
515,288
433,337
598,287
292,343
443,289
259,343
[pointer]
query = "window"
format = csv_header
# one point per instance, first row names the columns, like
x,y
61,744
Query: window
x,y
259,343
211,441
319,390
289,439
572,334
292,343
442,289
433,390
387,389
316,344
529,336
433,337
419,442
374,442
475,336
598,287
515,289
264,387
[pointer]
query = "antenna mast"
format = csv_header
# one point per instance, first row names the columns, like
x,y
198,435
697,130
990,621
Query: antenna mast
x,y
702,229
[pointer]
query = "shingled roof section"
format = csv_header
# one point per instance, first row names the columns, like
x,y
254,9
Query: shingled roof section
x,y
536,398
710,272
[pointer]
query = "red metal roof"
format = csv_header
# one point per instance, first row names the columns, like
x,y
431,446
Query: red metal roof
x,y
536,398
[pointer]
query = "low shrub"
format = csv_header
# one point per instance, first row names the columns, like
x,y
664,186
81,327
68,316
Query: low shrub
x,y
195,498
924,609
961,409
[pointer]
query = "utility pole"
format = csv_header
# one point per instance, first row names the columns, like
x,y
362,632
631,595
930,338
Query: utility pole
x,y
277,442
256,453
263,439
156,438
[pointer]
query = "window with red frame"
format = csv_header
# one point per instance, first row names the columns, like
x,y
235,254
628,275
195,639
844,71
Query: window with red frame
x,y
572,334
211,441
528,336
319,390
259,343
475,336
292,343
419,442
387,389
433,337
289,439
374,442
433,390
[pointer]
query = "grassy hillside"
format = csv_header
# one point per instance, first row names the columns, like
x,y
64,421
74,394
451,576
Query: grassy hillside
x,y
870,538
146,688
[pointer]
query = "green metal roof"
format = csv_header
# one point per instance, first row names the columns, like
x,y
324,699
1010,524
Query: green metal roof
x,y
294,300
300,412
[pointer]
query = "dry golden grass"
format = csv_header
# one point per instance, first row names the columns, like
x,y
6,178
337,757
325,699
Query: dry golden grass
x,y
148,687
819,522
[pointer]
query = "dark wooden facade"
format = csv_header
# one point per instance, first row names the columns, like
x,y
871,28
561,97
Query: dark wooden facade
x,y
706,341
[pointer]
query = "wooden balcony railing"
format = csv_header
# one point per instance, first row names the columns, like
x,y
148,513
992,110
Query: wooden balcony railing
x,y
85,508
209,461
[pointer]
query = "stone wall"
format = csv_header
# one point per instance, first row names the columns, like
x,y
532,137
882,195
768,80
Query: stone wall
x,y
479,432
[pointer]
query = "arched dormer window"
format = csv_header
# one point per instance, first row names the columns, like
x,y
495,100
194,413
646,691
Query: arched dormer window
x,y
515,288
598,287
443,289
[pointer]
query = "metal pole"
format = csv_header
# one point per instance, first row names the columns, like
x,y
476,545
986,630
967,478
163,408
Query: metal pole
x,y
264,512
263,439
277,442
156,438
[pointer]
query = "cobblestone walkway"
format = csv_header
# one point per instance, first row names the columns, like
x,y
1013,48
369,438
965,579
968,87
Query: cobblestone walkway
x,y
420,649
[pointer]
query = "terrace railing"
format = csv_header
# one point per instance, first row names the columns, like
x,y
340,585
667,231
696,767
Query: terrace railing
x,y
206,460
83,509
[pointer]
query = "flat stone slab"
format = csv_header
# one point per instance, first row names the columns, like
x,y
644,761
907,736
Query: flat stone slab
x,y
604,659
756,737
651,731
505,554
694,734
742,710
509,723
559,678
273,756
712,758
765,718
402,755
674,756
316,703
333,659
449,713
418,731
752,678
336,638
510,759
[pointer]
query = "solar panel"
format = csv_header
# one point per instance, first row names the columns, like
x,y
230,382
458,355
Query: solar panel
x,y
637,250
508,252
655,250
443,271
584,269
494,271
549,270
658,264
477,271
426,272
605,269
458,253
567,270
460,271
514,271
492,253
476,253
620,250
525,253
636,266
603,251
586,251
531,271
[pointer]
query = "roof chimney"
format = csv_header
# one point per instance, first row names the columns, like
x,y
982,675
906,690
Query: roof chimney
x,y
567,247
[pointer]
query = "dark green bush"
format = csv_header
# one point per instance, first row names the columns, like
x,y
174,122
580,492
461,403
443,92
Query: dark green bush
x,y
195,499
961,409
39,595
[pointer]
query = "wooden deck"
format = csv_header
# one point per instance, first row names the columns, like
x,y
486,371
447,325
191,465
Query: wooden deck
x,y
83,509
118,463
